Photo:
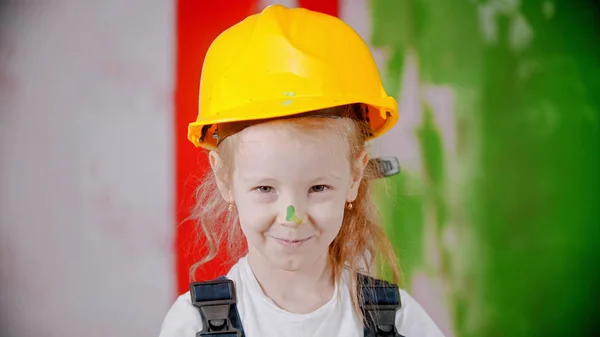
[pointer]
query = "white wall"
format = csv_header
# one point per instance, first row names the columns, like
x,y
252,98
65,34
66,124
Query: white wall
x,y
86,167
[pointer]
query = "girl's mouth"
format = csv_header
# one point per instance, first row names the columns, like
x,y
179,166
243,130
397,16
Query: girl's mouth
x,y
291,242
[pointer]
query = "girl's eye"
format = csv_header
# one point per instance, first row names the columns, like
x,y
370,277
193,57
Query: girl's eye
x,y
318,188
264,189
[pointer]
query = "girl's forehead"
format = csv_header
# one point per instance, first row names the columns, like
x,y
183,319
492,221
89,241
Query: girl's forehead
x,y
286,138
271,146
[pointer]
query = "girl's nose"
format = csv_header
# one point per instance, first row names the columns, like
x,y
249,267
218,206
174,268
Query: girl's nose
x,y
292,217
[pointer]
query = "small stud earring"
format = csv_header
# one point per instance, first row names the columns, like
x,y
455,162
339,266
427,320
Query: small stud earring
x,y
349,206
230,207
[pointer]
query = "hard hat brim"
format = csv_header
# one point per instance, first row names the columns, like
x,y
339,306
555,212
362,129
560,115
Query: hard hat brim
x,y
383,115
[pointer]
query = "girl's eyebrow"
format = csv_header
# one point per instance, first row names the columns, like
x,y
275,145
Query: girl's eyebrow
x,y
262,179
257,179
330,176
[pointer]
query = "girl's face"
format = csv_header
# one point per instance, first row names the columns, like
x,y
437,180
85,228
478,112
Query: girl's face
x,y
276,170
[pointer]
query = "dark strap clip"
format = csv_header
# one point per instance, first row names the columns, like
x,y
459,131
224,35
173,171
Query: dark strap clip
x,y
216,302
385,167
382,319
381,301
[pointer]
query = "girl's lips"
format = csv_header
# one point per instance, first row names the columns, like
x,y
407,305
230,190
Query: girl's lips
x,y
291,242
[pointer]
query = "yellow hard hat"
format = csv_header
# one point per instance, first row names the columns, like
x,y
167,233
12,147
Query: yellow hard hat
x,y
284,62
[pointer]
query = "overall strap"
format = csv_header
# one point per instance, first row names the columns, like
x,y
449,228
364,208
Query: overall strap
x,y
216,302
380,301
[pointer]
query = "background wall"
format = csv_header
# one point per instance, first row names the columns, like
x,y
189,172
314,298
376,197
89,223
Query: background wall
x,y
494,216
86,167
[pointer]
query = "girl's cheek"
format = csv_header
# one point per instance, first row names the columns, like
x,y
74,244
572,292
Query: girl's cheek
x,y
328,221
255,219
328,209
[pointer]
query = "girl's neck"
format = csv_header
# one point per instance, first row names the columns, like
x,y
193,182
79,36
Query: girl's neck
x,y
300,291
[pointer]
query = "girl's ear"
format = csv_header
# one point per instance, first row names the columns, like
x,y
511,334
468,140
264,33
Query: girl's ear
x,y
359,165
216,164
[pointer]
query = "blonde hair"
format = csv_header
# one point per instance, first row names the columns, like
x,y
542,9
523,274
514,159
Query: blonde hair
x,y
360,240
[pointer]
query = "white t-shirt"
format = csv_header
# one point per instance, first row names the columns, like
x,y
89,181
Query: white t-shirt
x,y
261,317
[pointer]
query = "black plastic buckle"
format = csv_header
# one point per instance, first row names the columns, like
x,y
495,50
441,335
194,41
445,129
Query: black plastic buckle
x,y
385,166
383,319
381,301
215,300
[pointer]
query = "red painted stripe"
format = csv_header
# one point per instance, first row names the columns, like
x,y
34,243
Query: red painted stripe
x,y
198,24
331,7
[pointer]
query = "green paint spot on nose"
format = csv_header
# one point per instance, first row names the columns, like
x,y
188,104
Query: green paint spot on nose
x,y
287,102
291,213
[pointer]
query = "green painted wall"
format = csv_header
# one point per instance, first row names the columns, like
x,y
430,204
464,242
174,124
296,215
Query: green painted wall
x,y
505,224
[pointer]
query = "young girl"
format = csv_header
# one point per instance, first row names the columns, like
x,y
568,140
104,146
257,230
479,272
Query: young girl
x,y
288,100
